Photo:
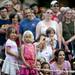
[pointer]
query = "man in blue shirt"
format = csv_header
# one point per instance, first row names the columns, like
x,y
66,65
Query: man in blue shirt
x,y
29,23
4,22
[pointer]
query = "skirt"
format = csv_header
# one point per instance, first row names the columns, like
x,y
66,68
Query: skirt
x,y
9,67
27,71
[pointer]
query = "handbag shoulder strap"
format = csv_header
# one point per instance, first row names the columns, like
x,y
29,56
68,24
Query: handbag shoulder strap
x,y
74,27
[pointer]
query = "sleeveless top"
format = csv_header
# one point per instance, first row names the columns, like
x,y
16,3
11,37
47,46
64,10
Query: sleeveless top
x,y
29,53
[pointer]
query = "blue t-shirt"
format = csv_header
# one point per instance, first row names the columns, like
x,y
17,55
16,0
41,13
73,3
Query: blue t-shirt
x,y
3,35
27,24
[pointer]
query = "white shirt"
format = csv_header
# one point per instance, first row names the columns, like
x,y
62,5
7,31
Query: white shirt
x,y
41,27
13,47
45,53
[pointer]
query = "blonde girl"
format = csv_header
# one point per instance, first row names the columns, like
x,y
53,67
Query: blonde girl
x,y
28,54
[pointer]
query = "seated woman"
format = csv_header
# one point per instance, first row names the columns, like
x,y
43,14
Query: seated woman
x,y
60,66
43,51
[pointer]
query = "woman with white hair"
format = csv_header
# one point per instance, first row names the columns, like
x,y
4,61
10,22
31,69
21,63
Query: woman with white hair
x,y
28,54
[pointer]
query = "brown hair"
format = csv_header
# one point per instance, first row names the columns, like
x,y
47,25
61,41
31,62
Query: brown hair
x,y
48,31
57,53
9,31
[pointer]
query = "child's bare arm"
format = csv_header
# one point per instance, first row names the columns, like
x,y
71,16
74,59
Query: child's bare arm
x,y
7,49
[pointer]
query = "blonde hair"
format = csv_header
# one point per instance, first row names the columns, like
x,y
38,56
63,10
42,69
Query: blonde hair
x,y
28,32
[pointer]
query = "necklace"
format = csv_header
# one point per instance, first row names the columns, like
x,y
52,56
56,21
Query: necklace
x,y
60,66
47,23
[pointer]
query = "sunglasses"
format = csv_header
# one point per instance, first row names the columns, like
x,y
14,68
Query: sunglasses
x,y
49,12
14,32
69,13
56,5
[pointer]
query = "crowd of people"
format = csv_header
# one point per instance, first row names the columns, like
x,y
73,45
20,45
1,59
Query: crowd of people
x,y
37,40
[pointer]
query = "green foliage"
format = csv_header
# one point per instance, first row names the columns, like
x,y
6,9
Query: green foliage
x,y
22,1
45,3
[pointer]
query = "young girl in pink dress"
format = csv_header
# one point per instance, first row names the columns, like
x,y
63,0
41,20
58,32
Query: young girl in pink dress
x,y
28,54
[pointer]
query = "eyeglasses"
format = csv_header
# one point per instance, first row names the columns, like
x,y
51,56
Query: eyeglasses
x,y
14,32
69,13
56,5
49,12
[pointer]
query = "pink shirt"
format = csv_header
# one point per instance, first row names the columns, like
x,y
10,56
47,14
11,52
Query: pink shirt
x,y
66,66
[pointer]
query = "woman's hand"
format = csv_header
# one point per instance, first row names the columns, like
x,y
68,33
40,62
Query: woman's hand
x,y
64,72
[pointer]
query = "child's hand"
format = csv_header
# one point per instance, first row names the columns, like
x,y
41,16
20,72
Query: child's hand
x,y
34,65
17,55
27,65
